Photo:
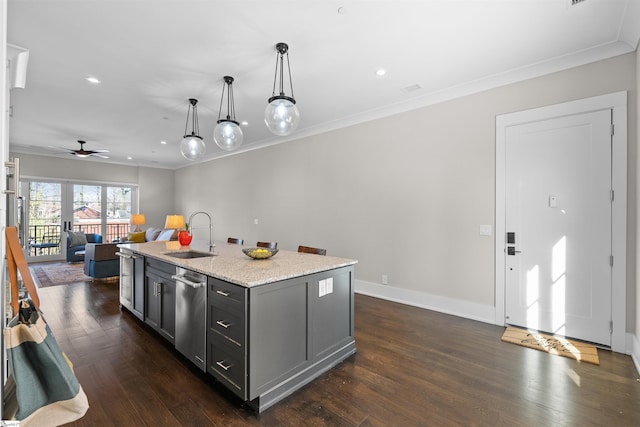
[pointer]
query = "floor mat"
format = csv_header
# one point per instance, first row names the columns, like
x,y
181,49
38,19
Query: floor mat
x,y
551,344
59,273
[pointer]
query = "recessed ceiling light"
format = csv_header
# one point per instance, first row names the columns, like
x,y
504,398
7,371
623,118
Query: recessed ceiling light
x,y
129,158
93,80
381,72
163,142
244,123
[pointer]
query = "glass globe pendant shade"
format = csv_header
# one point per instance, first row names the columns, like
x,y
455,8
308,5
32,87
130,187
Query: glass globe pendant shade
x,y
281,115
192,147
228,135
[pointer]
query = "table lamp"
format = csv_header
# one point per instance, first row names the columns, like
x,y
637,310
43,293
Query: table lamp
x,y
174,222
138,220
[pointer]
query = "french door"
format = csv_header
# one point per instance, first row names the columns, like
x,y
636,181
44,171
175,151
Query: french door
x,y
53,207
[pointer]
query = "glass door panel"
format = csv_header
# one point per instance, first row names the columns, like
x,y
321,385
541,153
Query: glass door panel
x,y
44,220
87,208
119,208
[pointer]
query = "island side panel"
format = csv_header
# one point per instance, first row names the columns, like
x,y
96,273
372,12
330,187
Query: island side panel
x,y
295,334
331,310
277,333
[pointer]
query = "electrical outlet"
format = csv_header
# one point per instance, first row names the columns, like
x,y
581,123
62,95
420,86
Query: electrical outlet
x,y
385,279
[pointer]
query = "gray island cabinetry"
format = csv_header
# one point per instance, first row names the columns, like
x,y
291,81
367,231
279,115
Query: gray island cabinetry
x,y
272,325
160,298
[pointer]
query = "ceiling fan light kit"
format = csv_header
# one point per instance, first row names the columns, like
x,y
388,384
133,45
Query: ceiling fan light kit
x,y
82,153
228,134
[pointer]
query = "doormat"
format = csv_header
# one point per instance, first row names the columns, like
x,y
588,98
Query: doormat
x,y
560,346
59,273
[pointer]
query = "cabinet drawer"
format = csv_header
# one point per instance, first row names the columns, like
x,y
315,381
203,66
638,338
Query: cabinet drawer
x,y
228,323
223,294
227,364
160,267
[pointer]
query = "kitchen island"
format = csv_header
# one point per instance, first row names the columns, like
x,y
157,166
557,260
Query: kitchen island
x,y
269,326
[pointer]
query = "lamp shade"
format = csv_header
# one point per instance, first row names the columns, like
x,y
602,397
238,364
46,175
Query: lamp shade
x,y
228,135
138,220
281,115
192,147
174,222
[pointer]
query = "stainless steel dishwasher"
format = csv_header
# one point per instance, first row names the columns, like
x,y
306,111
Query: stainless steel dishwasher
x,y
191,315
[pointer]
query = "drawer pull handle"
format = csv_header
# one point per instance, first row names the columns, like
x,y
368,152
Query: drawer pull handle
x,y
223,366
223,323
223,293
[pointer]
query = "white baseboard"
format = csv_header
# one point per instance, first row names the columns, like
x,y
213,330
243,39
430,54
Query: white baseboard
x,y
633,344
468,310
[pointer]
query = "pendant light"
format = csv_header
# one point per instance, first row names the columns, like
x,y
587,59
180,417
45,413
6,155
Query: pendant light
x,y
227,133
281,115
192,146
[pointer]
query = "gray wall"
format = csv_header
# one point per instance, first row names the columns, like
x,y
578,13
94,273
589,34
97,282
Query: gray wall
x,y
404,195
155,186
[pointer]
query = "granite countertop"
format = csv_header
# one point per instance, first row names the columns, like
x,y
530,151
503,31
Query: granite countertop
x,y
229,263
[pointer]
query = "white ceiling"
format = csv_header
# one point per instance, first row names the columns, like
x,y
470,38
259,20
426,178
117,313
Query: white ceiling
x,y
152,55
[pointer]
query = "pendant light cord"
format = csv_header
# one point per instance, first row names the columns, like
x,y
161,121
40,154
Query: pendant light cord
x,y
280,58
275,76
193,109
222,99
231,109
290,81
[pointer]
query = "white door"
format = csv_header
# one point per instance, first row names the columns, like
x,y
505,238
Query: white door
x,y
558,223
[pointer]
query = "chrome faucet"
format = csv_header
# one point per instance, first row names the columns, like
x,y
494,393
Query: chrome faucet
x,y
211,244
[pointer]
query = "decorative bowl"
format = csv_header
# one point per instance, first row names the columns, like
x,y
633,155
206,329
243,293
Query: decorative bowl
x,y
259,253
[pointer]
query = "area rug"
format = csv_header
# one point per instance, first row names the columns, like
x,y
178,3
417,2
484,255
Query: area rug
x,y
551,344
59,273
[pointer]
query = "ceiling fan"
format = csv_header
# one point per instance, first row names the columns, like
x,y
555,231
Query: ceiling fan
x,y
86,153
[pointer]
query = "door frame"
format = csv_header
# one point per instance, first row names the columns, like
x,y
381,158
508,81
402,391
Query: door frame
x,y
617,102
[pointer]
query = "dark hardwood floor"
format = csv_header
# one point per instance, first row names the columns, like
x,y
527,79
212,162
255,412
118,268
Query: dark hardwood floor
x,y
413,368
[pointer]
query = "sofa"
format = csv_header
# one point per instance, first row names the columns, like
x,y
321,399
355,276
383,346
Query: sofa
x,y
76,241
101,261
151,234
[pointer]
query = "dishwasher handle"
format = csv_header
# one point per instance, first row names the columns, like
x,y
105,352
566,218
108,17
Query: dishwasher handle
x,y
126,256
182,279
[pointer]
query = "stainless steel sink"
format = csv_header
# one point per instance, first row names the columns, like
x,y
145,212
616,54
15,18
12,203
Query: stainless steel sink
x,y
189,254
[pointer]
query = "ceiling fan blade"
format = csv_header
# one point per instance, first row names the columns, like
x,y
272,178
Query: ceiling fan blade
x,y
102,156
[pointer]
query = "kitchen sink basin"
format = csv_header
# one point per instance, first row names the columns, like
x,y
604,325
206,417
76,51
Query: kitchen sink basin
x,y
189,254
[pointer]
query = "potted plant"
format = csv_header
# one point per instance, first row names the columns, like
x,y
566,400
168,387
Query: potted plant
x,y
184,236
